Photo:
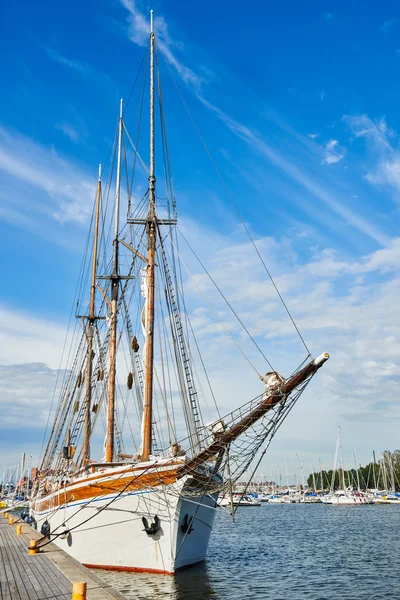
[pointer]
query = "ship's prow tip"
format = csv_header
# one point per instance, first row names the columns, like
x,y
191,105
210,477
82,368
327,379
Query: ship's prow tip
x,y
321,359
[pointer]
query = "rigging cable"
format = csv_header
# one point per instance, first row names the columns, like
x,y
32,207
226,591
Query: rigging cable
x,y
215,314
226,300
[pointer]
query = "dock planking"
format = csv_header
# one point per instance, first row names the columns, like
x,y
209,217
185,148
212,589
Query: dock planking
x,y
40,576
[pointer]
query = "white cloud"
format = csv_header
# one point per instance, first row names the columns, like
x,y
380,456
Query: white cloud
x,y
382,143
348,307
299,175
26,338
42,182
332,153
27,390
70,131
387,173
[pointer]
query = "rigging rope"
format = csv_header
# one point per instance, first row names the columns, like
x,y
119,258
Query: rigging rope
x,y
226,300
213,311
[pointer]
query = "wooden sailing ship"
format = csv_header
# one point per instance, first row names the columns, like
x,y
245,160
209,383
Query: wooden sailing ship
x,y
152,509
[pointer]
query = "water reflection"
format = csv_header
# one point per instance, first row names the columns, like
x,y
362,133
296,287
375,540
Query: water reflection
x,y
299,551
193,583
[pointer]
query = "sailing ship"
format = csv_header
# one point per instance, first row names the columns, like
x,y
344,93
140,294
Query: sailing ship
x,y
152,509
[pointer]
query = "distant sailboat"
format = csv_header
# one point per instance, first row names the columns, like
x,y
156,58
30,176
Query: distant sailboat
x,y
345,495
153,509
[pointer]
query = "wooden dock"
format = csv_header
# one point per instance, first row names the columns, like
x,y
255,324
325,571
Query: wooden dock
x,y
47,575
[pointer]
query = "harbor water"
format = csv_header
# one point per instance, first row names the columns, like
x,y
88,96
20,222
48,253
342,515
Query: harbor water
x,y
276,551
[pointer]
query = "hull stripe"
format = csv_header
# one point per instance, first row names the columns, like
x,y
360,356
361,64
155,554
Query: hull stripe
x,y
139,569
101,489
92,501
128,569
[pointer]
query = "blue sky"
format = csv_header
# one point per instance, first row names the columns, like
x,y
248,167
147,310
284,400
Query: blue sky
x,y
299,109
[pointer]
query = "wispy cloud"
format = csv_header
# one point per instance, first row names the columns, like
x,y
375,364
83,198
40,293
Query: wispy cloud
x,y
332,153
376,132
138,32
69,131
388,25
83,69
300,176
139,27
383,144
74,128
43,183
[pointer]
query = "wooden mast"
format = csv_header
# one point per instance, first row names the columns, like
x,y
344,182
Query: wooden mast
x,y
151,247
115,278
90,334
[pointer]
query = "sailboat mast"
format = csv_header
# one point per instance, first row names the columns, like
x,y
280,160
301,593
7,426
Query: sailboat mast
x,y
90,334
151,247
341,476
114,305
21,477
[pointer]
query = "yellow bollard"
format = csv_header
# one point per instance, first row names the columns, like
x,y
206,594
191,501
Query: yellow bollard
x,y
19,529
11,521
79,590
33,549
6,515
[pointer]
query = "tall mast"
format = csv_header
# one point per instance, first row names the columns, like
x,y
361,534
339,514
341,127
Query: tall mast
x,y
151,247
375,483
90,333
114,303
21,477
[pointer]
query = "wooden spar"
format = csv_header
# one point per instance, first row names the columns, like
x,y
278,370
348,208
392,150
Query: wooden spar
x,y
259,411
109,454
135,252
89,360
151,246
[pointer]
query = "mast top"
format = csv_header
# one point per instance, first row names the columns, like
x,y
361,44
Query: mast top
x,y
99,178
121,103
151,22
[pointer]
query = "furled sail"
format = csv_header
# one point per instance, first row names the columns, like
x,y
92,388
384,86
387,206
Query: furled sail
x,y
143,290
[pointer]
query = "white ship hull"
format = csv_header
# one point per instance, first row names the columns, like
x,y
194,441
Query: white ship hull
x,y
116,539
225,502
350,500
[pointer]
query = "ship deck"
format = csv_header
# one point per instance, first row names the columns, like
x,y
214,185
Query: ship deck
x,y
47,575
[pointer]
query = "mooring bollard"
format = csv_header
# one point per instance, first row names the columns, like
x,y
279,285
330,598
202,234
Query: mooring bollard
x,y
19,529
6,515
79,590
33,549
11,521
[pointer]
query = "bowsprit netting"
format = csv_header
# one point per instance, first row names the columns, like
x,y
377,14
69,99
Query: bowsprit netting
x,y
230,460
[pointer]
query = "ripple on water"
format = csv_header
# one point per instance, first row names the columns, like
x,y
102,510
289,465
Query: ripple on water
x,y
297,551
